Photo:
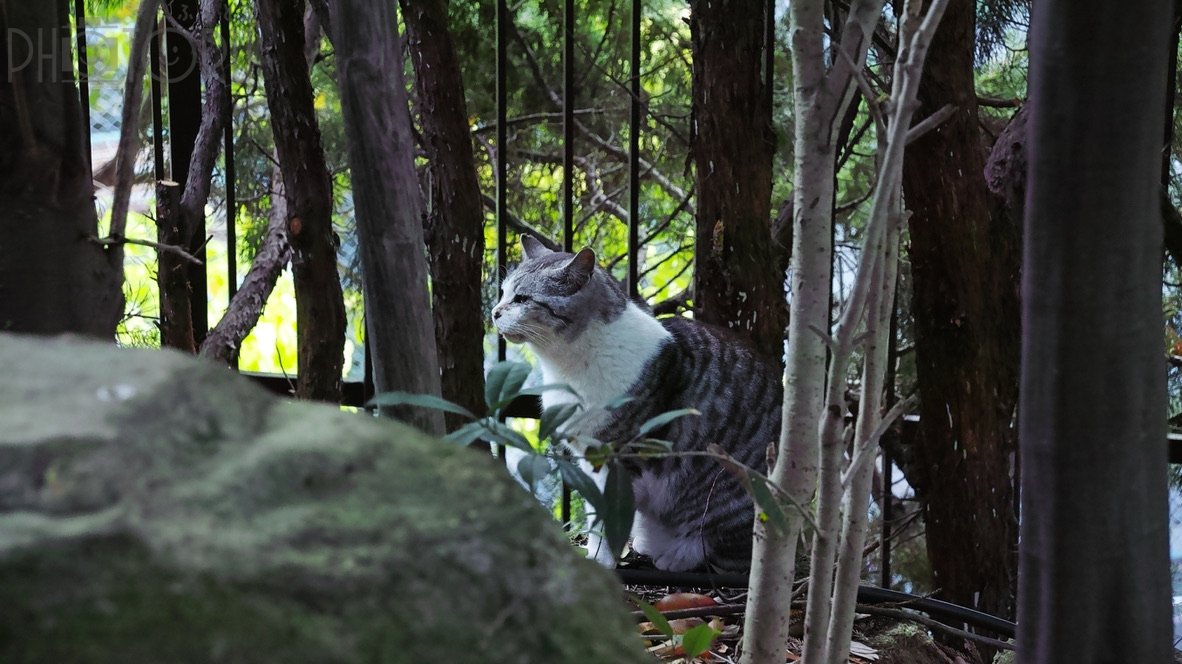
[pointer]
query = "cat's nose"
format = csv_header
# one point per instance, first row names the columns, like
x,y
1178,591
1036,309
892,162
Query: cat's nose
x,y
496,312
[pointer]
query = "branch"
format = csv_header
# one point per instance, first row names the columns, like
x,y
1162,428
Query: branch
x,y
213,114
114,241
934,624
486,127
556,100
133,94
930,122
869,446
674,304
225,339
995,102
520,227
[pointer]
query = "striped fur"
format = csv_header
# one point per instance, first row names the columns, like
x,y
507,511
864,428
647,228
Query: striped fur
x,y
691,513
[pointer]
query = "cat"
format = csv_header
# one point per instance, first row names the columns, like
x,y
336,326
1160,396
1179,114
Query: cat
x,y
691,514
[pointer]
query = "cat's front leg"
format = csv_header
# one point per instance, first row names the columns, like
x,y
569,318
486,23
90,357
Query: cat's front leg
x,y
597,546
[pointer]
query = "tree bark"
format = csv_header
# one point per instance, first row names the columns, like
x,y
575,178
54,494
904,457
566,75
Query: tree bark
x,y
54,277
320,308
737,283
965,271
820,96
1094,574
389,209
455,221
225,339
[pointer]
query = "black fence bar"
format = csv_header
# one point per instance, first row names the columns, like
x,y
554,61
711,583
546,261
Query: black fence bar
x,y
769,55
936,608
634,156
568,125
231,173
502,150
83,75
156,63
184,122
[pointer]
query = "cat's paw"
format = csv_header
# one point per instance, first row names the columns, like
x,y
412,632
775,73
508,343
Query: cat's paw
x,y
681,555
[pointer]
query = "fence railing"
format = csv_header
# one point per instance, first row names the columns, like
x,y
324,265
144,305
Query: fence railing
x,y
182,113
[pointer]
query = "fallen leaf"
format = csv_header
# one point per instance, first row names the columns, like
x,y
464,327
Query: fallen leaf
x,y
678,601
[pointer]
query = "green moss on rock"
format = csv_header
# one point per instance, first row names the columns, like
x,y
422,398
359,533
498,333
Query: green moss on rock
x,y
156,508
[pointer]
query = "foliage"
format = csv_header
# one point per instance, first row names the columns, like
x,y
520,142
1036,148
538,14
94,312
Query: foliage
x,y
552,450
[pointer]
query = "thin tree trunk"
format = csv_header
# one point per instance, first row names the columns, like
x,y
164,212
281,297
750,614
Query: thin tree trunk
x,y
181,213
225,340
389,209
129,129
455,221
54,277
736,283
965,271
1094,573
320,308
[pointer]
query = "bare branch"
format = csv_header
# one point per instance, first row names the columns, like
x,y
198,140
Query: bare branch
x,y
930,122
166,248
133,93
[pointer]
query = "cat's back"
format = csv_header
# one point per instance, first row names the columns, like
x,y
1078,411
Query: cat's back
x,y
737,389
710,358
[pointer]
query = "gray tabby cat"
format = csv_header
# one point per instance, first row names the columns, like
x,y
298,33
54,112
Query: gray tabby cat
x,y
586,333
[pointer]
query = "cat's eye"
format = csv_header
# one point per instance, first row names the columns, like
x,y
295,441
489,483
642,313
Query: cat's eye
x,y
519,299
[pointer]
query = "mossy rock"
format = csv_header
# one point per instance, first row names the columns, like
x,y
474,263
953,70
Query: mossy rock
x,y
155,508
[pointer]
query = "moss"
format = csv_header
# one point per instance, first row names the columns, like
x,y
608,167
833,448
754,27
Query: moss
x,y
208,521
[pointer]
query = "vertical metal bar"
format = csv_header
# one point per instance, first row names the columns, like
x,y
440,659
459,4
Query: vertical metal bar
x,y
888,461
634,157
157,66
502,165
568,125
769,54
568,163
184,122
231,171
502,149
83,74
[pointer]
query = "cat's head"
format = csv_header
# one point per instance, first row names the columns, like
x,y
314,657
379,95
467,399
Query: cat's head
x,y
554,296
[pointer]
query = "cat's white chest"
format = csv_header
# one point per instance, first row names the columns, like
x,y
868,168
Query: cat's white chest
x,y
601,364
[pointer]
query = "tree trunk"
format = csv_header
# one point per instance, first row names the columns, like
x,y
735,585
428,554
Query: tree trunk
x,y
455,221
1094,573
389,209
965,270
320,308
737,283
54,277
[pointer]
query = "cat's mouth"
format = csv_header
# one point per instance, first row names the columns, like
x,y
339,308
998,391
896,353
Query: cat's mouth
x,y
513,337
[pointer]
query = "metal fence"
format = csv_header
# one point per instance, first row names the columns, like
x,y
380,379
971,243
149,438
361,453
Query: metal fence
x,y
176,110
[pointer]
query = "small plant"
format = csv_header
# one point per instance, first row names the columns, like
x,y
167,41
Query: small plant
x,y
554,450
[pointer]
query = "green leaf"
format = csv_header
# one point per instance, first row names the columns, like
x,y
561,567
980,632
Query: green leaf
x,y
654,616
697,640
467,434
533,468
503,382
619,401
580,481
770,511
550,387
386,399
554,417
596,453
649,447
665,418
619,509
505,435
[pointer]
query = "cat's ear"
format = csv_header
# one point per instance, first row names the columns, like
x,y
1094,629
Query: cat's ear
x,y
532,247
579,269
